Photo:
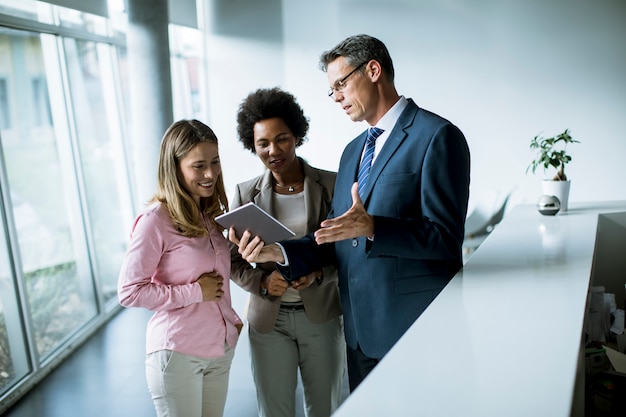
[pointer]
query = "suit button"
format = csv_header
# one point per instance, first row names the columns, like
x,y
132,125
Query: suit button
x,y
355,243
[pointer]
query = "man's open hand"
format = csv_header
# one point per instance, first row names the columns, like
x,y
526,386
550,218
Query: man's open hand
x,y
353,223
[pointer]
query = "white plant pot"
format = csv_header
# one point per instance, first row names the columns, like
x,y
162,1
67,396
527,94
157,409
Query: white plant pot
x,y
559,189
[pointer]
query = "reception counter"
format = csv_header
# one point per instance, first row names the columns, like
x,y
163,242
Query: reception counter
x,y
504,337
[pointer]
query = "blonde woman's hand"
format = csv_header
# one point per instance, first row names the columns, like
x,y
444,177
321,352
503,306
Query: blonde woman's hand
x,y
253,249
211,284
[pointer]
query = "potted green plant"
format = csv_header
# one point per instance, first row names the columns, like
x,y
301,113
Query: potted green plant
x,y
552,152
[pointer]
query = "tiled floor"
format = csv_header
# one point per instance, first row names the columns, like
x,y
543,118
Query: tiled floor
x,y
105,377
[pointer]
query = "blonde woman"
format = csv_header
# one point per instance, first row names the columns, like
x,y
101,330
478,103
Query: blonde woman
x,y
178,265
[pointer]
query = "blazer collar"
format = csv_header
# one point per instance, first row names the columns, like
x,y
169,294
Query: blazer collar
x,y
313,192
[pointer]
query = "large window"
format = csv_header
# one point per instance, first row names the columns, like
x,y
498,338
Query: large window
x,y
66,203
65,185
102,164
50,256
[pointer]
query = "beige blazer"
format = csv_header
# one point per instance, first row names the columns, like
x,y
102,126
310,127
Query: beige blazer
x,y
321,300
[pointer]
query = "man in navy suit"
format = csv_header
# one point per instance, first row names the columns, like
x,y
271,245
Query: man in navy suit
x,y
397,242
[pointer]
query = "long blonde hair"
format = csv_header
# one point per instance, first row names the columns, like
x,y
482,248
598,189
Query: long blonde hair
x,y
177,141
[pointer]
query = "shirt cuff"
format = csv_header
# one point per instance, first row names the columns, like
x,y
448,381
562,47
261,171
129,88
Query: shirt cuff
x,y
284,255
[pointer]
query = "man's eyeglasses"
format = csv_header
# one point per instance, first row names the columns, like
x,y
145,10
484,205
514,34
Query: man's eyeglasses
x,y
341,84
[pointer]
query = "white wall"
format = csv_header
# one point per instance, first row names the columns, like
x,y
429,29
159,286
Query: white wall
x,y
503,71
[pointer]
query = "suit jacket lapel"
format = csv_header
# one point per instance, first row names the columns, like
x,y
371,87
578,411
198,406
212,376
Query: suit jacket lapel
x,y
264,189
353,160
396,137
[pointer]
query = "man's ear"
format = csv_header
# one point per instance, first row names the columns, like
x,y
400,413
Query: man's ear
x,y
374,70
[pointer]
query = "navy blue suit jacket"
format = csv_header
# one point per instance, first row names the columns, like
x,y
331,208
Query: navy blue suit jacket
x,y
418,193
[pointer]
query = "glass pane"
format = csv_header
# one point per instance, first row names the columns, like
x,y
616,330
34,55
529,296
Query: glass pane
x,y
41,180
13,359
118,17
186,67
28,9
101,157
122,59
84,21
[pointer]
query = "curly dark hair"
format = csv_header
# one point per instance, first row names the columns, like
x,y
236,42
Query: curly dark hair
x,y
267,103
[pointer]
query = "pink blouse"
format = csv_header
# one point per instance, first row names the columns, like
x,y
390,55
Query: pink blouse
x,y
159,273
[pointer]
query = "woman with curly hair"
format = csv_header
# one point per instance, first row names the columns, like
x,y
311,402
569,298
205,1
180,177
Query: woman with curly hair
x,y
296,325
176,266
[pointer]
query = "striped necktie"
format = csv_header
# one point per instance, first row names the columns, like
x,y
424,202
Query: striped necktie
x,y
366,162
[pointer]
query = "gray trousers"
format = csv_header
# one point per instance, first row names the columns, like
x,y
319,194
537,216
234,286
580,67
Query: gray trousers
x,y
183,385
318,350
